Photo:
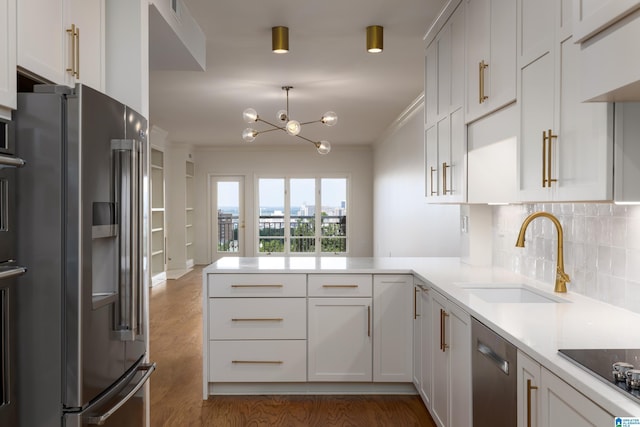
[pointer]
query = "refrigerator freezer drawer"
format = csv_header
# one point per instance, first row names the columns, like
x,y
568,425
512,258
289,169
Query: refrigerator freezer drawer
x,y
121,407
258,361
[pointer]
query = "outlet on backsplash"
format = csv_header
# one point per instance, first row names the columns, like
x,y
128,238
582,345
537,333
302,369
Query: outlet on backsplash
x,y
601,248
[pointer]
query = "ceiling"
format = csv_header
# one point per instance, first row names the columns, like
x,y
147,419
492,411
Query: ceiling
x,y
327,65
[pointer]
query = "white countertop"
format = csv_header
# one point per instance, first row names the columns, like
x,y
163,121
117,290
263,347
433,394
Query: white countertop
x,y
538,329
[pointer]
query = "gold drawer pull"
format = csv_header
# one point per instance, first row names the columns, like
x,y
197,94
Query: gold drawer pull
x,y
257,286
245,362
264,319
339,286
529,388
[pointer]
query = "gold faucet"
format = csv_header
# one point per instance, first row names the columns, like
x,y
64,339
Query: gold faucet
x,y
561,277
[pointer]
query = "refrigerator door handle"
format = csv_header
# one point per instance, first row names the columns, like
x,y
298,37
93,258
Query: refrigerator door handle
x,y
11,162
101,419
12,272
128,196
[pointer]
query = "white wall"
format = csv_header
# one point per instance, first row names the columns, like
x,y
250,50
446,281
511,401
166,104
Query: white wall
x,y
404,224
284,161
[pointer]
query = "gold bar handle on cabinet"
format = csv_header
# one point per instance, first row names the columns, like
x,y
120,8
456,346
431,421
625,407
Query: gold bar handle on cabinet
x,y
269,362
415,303
443,342
550,137
445,166
544,159
529,388
481,67
431,177
258,319
77,65
339,286
256,286
72,32
368,320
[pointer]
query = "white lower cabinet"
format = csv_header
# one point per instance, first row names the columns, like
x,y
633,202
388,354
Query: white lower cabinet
x,y
544,400
426,346
393,317
451,362
340,338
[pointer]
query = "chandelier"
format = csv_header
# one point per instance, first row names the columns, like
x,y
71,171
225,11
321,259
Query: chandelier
x,y
288,125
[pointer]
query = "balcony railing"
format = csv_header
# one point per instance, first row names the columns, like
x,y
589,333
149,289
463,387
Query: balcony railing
x,y
272,234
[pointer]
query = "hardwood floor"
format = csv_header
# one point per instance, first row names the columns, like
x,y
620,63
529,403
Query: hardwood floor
x,y
176,386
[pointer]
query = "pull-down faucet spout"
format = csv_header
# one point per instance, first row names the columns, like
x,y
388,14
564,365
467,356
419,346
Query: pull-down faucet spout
x,y
561,277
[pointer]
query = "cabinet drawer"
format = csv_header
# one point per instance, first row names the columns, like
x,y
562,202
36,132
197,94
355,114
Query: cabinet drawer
x,y
340,285
257,285
258,361
257,318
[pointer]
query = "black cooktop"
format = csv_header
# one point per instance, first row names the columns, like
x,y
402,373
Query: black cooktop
x,y
600,362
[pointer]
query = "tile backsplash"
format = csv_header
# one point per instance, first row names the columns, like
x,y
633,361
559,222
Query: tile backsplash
x,y
601,248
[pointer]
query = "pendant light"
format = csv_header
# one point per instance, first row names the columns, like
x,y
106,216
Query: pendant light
x,y
288,125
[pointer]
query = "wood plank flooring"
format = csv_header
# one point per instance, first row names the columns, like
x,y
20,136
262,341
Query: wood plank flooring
x,y
176,386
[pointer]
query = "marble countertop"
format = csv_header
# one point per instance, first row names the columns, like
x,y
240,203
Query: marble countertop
x,y
538,329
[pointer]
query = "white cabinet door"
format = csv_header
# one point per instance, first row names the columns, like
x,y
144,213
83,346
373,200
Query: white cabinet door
x,y
546,400
491,56
459,348
426,350
8,97
591,17
89,18
431,85
528,391
417,335
445,134
562,405
339,339
451,363
440,360
393,317
42,38
565,147
74,35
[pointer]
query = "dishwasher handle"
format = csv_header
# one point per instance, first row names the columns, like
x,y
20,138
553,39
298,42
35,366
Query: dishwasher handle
x,y
494,357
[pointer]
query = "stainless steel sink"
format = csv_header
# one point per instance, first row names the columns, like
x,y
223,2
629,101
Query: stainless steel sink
x,y
510,293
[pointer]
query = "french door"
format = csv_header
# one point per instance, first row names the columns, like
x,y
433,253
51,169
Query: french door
x,y
227,216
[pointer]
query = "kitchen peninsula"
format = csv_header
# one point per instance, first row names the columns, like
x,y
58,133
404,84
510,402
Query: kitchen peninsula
x,y
263,331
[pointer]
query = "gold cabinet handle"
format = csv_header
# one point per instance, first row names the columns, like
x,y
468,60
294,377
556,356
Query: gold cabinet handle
x,y
256,286
368,320
339,286
445,166
547,137
72,33
431,178
443,342
77,66
481,67
415,303
258,319
270,362
529,388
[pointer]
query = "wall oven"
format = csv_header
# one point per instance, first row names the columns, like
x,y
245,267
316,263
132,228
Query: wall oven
x,y
9,271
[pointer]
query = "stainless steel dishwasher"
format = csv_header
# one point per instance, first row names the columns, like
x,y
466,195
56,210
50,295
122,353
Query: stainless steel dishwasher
x,y
494,378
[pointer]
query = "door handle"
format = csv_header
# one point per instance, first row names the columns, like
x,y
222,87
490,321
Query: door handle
x,y
494,357
529,388
101,419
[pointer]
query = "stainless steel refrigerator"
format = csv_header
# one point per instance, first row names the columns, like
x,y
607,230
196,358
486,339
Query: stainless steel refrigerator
x,y
83,306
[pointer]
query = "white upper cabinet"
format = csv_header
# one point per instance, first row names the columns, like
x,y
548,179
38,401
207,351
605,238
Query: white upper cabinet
x,y
591,17
7,57
62,41
445,136
565,146
491,56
